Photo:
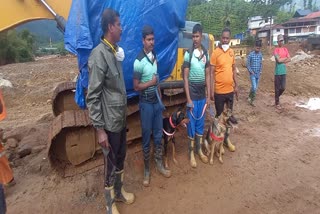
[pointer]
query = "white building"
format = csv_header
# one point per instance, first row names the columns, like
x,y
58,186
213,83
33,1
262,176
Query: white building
x,y
255,23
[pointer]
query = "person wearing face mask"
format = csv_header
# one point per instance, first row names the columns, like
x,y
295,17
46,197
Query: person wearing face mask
x,y
196,75
107,105
223,78
145,81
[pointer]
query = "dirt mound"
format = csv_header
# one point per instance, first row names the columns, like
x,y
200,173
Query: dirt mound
x,y
268,143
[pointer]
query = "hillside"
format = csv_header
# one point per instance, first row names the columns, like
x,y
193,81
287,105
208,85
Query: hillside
x,y
43,30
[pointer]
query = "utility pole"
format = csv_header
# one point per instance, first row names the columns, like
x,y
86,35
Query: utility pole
x,y
270,39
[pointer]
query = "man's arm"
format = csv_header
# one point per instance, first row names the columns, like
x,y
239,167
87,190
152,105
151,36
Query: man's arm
x,y
139,86
186,85
208,81
234,71
248,64
137,74
96,80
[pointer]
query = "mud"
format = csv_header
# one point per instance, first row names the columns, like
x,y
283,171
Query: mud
x,y
274,169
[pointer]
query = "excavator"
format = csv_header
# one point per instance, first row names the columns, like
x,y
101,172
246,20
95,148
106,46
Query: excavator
x,y
72,144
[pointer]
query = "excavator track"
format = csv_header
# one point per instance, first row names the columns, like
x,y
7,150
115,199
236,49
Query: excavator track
x,y
72,145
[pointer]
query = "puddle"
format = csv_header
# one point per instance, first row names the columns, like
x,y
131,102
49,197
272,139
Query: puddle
x,y
312,104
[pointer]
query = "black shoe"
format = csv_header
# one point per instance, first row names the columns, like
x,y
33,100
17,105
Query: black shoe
x,y
233,120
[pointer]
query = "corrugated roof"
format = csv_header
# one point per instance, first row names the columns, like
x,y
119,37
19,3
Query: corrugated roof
x,y
313,15
301,12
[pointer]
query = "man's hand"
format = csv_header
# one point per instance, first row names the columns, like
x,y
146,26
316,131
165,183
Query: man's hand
x,y
103,138
190,104
236,92
154,80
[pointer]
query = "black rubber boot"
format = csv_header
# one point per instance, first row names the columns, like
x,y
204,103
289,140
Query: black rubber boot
x,y
159,162
146,175
111,205
120,193
199,143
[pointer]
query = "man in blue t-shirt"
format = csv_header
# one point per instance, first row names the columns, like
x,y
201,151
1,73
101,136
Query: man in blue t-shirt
x,y
254,66
146,82
196,77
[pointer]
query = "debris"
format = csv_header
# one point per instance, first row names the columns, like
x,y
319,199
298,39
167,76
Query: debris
x,y
24,151
5,83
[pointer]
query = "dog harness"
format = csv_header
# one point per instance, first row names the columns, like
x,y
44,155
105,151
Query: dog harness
x,y
216,138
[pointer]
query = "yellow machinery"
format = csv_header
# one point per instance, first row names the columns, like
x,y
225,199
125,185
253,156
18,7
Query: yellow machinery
x,y
72,139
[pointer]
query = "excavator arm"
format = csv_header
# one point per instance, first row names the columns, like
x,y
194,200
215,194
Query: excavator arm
x,y
17,12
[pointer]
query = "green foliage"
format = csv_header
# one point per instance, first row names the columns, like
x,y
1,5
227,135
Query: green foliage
x,y
16,47
282,17
217,14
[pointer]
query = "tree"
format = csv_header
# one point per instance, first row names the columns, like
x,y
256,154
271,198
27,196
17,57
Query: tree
x,y
282,17
16,47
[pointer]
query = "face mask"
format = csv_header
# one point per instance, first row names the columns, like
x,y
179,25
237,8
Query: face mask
x,y
196,53
225,47
120,54
150,55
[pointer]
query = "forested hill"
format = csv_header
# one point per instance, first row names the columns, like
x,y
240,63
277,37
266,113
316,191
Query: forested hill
x,y
43,30
217,14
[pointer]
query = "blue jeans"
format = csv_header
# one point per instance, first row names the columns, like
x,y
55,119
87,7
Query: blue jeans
x,y
151,122
196,122
254,83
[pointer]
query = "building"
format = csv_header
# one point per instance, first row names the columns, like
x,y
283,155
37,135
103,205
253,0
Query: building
x,y
301,13
301,28
255,23
264,34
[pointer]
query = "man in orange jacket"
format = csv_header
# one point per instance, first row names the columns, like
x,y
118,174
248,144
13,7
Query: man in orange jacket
x,y
6,175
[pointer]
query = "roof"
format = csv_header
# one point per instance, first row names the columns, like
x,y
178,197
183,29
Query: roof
x,y
313,15
299,20
301,13
267,27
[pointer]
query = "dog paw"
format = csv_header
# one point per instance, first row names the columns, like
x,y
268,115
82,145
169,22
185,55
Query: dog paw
x,y
175,162
220,160
211,162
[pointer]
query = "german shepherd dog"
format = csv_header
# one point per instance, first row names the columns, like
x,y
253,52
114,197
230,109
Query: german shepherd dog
x,y
170,125
218,134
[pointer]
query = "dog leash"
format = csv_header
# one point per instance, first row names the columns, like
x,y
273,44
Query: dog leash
x,y
204,109
158,95
172,125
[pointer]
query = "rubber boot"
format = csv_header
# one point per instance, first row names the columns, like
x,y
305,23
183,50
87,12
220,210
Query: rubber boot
x,y
111,205
193,162
227,143
159,162
199,143
253,97
120,193
250,97
146,175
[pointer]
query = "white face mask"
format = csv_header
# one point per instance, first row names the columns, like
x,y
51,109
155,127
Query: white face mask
x,y
150,56
196,53
225,47
120,54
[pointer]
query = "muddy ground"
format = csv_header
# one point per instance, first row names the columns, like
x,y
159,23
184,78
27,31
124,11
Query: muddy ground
x,y
275,168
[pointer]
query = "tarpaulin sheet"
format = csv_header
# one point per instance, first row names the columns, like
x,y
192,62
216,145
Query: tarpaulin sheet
x,y
83,33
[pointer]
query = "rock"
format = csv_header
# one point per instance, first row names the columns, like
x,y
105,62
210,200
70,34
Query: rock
x,y
5,83
38,149
49,101
24,151
12,143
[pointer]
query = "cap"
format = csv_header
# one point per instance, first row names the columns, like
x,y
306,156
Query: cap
x,y
280,37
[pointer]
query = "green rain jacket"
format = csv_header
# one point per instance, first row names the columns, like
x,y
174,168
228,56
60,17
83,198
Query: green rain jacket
x,y
106,97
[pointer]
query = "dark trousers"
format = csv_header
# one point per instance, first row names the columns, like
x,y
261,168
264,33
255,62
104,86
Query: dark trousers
x,y
279,86
220,100
151,122
3,206
114,156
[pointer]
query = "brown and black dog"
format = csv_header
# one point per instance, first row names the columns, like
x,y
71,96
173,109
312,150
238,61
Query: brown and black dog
x,y
218,134
170,125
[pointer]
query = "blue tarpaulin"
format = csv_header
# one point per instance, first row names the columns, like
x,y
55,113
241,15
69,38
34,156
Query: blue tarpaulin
x,y
83,33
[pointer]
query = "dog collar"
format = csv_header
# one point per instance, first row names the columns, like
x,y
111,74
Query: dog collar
x,y
169,134
171,123
216,138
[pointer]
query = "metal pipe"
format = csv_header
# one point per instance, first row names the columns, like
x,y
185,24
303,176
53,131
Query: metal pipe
x,y
49,8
